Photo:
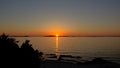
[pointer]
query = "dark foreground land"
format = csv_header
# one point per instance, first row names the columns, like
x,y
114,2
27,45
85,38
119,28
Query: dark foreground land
x,y
13,56
95,63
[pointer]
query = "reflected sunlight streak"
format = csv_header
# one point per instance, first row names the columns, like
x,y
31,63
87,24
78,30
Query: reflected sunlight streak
x,y
56,51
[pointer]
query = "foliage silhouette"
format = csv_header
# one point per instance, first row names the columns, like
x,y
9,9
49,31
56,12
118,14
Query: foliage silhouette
x,y
13,56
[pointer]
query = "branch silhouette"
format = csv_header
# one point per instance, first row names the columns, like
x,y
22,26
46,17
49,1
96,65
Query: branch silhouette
x,y
13,56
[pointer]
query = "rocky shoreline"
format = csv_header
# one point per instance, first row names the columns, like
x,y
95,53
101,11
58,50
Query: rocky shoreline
x,y
54,62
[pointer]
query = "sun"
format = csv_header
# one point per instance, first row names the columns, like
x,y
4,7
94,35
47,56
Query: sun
x,y
57,35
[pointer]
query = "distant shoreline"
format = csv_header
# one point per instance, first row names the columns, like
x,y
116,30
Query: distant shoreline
x,y
64,36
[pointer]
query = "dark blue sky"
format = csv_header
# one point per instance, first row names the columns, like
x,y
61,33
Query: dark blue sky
x,y
66,17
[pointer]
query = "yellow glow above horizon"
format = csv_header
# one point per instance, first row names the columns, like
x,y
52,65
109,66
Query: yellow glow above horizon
x,y
57,35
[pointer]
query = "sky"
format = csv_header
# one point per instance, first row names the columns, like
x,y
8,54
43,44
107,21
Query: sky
x,y
63,17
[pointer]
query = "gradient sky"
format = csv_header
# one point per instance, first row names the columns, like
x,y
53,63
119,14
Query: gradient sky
x,y
65,17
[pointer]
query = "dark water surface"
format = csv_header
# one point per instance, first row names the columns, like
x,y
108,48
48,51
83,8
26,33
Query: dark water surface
x,y
87,47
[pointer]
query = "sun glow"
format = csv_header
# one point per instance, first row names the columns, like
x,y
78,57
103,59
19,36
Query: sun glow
x,y
57,35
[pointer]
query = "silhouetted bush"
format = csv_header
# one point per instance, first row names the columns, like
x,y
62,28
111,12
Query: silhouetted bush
x,y
13,56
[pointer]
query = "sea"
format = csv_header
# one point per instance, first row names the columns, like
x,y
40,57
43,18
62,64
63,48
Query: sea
x,y
86,47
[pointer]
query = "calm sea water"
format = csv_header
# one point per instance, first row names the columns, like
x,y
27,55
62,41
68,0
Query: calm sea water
x,y
89,47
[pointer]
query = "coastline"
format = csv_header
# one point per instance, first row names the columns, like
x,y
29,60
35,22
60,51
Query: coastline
x,y
66,63
74,58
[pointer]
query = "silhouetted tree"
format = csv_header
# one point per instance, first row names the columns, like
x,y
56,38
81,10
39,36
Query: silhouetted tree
x,y
30,56
14,57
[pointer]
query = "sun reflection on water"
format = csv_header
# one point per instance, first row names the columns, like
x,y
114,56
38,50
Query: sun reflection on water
x,y
56,51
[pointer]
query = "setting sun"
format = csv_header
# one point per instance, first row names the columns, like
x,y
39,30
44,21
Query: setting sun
x,y
57,35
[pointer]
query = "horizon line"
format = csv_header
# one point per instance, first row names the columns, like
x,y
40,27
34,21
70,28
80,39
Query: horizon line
x,y
64,36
